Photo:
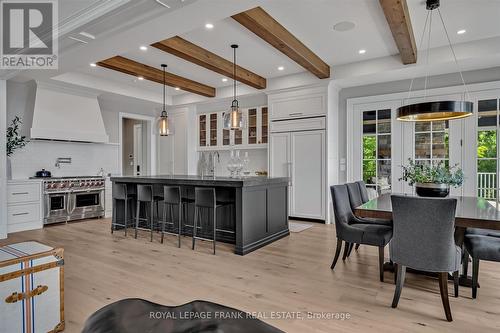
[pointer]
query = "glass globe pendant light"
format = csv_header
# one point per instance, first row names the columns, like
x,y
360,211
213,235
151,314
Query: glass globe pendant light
x,y
163,124
439,110
233,119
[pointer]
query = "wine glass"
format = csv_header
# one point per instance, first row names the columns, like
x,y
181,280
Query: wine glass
x,y
231,165
238,164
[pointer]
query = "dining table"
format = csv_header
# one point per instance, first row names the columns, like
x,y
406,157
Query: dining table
x,y
471,212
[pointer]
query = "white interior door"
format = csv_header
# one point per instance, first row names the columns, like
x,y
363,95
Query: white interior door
x,y
308,174
138,150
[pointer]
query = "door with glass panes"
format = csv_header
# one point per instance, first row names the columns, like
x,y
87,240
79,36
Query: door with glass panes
x,y
487,155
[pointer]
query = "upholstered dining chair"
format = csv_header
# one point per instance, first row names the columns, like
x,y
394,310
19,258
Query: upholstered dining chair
x,y
356,199
363,191
481,246
423,239
352,230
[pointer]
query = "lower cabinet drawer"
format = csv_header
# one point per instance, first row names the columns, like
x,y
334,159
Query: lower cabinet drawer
x,y
23,192
23,213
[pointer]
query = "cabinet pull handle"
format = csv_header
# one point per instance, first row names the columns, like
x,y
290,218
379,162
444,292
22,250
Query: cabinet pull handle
x,y
20,193
17,214
295,114
16,297
289,173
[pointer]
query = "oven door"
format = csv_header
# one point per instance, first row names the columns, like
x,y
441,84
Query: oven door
x,y
86,204
55,208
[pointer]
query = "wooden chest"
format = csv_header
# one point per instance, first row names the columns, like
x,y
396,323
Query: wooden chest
x,y
31,288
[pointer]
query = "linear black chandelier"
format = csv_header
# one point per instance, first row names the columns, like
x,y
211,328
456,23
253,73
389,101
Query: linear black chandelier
x,y
440,110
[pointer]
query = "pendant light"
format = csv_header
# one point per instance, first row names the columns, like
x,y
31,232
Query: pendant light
x,y
233,119
164,128
440,110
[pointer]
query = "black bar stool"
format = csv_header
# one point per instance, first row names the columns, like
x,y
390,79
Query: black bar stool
x,y
145,196
171,199
205,199
120,193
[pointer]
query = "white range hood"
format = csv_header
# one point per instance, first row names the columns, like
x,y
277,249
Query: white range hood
x,y
66,114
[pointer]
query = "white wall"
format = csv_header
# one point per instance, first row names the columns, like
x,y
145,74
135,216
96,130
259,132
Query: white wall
x,y
3,160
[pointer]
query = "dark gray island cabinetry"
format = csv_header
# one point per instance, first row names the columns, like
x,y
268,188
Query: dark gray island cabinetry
x,y
260,204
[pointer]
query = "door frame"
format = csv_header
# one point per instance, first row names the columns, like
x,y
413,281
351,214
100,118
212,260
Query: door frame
x,y
138,148
151,121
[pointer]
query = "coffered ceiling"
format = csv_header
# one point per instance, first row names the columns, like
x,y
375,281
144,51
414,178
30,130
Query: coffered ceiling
x,y
310,21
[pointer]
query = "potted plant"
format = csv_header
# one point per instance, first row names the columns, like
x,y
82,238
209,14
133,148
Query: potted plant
x,y
14,142
432,180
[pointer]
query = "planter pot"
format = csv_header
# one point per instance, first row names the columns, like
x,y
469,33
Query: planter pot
x,y
432,190
9,169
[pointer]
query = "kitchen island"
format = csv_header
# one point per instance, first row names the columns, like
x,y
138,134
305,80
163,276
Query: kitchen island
x,y
256,216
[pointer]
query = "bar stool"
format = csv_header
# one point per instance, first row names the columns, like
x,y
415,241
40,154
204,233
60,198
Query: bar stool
x,y
205,198
145,196
120,193
172,198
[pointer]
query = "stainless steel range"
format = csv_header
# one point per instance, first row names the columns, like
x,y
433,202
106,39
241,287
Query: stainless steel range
x,y
73,198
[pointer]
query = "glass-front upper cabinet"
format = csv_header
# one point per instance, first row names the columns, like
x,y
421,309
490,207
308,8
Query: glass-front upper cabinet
x,y
213,129
252,126
257,125
264,124
202,130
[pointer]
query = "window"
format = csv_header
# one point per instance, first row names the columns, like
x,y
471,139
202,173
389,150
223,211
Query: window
x,y
487,153
432,142
377,149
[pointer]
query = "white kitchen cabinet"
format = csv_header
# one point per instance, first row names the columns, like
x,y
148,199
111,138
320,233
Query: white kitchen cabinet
x,y
308,160
108,198
24,205
298,103
301,156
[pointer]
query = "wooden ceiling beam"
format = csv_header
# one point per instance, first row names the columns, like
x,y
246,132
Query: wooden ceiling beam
x,y
266,27
398,17
131,67
204,58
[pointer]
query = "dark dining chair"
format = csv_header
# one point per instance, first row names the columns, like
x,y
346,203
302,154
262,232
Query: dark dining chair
x,y
423,239
352,230
363,191
356,199
481,247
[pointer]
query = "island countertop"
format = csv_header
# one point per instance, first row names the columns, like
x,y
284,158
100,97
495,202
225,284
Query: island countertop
x,y
203,181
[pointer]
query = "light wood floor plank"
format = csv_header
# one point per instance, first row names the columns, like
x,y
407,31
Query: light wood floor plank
x,y
292,274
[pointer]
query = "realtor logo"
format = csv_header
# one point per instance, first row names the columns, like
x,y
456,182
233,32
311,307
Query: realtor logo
x,y
29,34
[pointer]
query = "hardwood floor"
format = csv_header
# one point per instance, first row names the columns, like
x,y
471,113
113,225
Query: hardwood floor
x,y
292,274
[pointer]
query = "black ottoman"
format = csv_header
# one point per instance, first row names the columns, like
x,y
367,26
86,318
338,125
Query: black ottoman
x,y
135,315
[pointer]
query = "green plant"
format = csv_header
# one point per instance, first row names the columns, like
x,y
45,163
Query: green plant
x,y
438,173
14,139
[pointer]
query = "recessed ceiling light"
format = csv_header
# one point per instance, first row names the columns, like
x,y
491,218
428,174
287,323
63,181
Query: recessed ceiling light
x,y
209,26
362,51
143,48
461,32
344,26
281,68
140,78
177,88
224,79
93,64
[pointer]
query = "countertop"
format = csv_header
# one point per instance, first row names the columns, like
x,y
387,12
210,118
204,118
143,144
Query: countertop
x,y
203,181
